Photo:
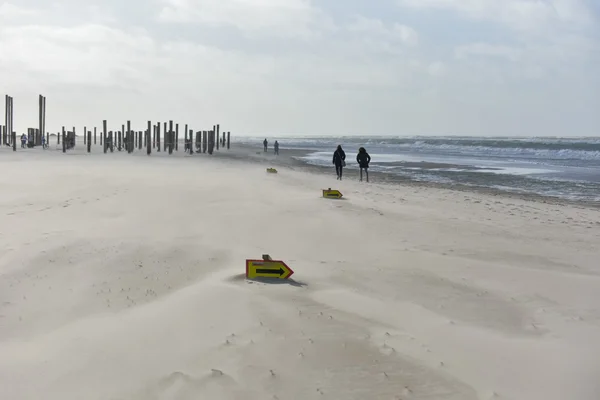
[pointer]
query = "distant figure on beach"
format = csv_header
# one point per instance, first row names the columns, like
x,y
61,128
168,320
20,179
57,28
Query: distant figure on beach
x,y
44,146
23,141
363,159
339,160
265,143
276,147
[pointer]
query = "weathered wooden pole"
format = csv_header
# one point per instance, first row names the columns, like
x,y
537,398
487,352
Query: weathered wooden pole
x,y
11,130
186,134
146,138
176,137
14,133
48,139
95,135
103,137
204,141
44,117
185,139
153,136
41,127
215,133
89,141
64,140
85,135
6,114
74,138
129,137
165,136
148,141
111,140
158,137
228,139
171,137
58,138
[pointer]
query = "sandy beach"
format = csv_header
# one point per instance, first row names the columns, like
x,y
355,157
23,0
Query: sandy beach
x,y
121,277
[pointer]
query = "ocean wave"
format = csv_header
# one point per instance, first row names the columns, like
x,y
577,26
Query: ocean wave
x,y
520,148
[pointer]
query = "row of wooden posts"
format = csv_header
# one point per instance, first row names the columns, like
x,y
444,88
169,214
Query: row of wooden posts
x,y
128,140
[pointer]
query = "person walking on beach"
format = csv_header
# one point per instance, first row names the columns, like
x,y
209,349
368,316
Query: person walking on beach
x,y
276,147
363,159
265,144
339,160
23,141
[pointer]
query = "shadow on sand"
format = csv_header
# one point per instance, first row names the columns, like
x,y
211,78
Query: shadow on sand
x,y
267,281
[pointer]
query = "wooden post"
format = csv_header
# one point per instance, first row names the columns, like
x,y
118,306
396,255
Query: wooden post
x,y
111,140
154,136
158,137
165,136
41,127
176,137
171,137
95,136
216,136
228,139
11,121
6,114
48,139
89,140
204,141
148,141
85,135
103,137
129,137
44,116
74,138
64,140
58,138
185,139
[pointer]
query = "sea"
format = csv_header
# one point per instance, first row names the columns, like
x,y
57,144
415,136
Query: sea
x,y
567,168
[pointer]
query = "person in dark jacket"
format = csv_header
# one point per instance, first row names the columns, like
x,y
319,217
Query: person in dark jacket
x,y
363,159
339,160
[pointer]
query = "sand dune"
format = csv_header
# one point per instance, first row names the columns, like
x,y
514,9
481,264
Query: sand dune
x,y
120,278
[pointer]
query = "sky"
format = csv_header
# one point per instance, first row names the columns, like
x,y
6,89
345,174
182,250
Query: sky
x,y
307,67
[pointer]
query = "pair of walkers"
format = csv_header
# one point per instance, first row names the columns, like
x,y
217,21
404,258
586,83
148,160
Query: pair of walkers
x,y
362,158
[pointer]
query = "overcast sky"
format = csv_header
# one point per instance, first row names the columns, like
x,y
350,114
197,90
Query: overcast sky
x,y
320,67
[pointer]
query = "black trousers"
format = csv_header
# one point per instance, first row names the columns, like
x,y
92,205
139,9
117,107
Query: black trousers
x,y
338,170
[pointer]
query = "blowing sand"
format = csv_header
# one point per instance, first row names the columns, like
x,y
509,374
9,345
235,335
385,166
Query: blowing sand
x,y
120,278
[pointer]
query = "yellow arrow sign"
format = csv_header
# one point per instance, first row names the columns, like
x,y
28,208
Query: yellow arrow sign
x,y
332,193
267,269
271,170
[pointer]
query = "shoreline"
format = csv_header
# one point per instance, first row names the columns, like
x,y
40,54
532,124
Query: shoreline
x,y
289,158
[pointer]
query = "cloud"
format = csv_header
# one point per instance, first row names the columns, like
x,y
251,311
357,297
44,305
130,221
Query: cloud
x,y
10,12
487,50
523,15
375,27
301,66
289,17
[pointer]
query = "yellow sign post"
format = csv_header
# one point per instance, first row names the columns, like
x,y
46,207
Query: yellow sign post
x,y
267,268
332,194
271,170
